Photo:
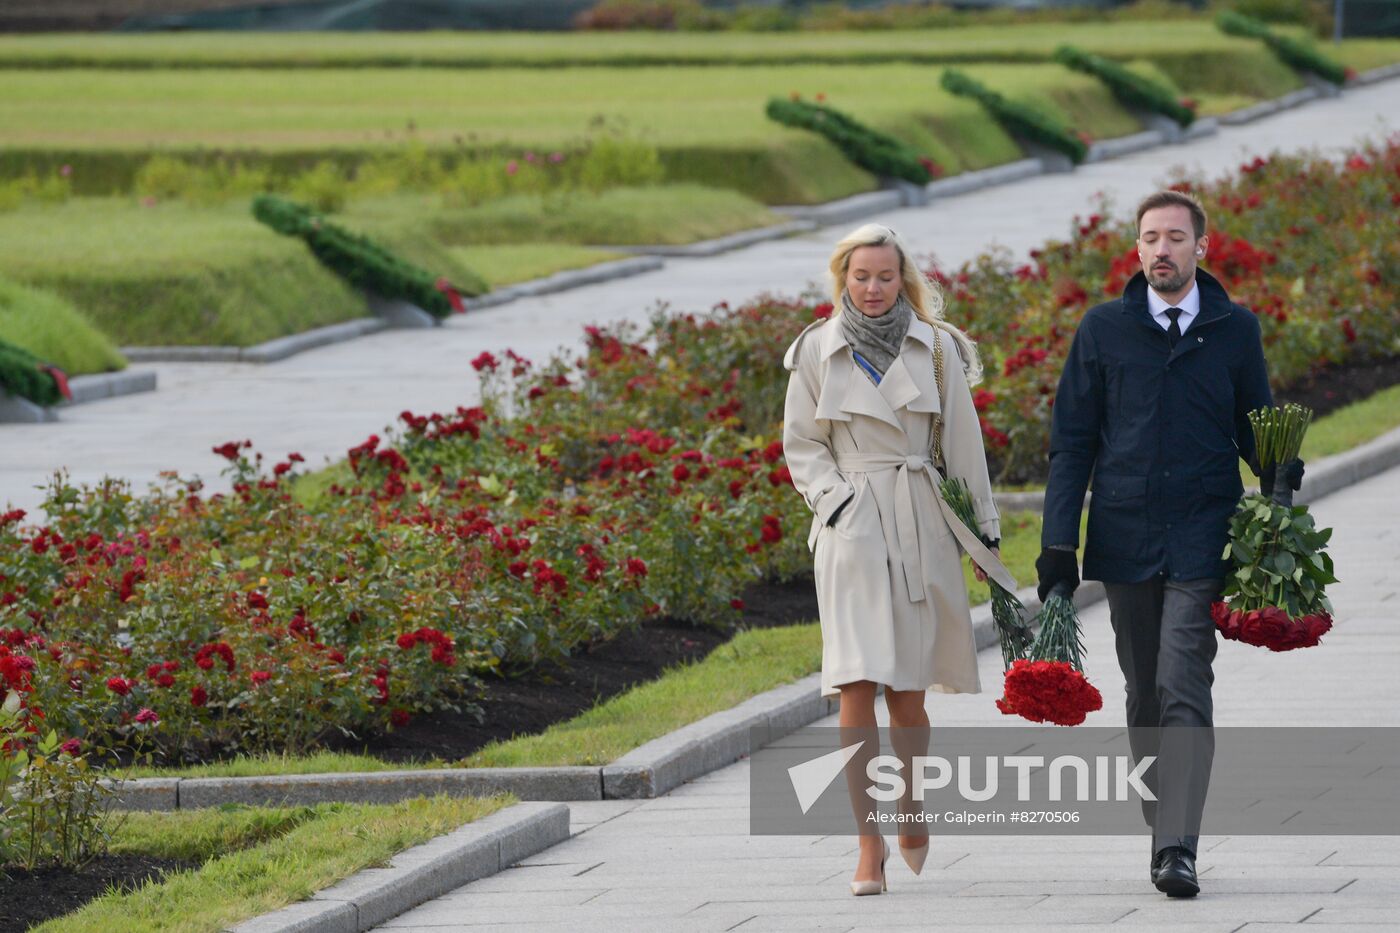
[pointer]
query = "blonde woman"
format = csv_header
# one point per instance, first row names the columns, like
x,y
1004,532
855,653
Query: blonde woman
x,y
863,424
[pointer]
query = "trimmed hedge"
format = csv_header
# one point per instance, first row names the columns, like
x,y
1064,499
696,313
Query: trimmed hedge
x,y
358,259
1018,119
1132,90
1297,55
872,150
21,374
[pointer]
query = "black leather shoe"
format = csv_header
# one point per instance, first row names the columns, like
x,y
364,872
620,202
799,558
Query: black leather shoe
x,y
1155,865
1175,875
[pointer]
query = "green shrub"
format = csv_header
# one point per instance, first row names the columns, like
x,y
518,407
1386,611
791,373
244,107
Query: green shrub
x,y
53,188
873,151
1132,90
1316,15
164,177
358,259
619,162
1297,55
21,374
1018,119
324,187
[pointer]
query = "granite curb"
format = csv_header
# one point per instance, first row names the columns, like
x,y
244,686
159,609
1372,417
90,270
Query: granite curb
x,y
725,243
966,182
1269,107
572,278
1117,147
92,388
474,851
267,352
1376,75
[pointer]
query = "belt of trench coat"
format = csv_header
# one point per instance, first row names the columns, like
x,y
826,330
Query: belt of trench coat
x,y
906,524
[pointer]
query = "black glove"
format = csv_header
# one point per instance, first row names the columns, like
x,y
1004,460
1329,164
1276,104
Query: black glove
x,y
1279,481
1058,570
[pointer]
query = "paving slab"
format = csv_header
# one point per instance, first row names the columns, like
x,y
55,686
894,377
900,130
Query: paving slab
x,y
659,865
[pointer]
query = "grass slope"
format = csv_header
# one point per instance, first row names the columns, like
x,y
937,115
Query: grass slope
x,y
54,330
708,123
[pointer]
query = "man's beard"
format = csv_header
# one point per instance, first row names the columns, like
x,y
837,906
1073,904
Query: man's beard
x,y
1168,281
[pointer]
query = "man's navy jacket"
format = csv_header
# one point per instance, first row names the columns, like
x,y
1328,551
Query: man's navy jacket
x,y
1161,431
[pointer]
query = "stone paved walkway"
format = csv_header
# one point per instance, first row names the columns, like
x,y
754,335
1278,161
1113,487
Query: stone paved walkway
x,y
686,861
322,402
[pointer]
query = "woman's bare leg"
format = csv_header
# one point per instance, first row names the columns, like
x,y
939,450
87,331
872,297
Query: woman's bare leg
x,y
858,725
909,735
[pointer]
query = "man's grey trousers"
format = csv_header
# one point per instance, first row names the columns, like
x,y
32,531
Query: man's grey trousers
x,y
1166,642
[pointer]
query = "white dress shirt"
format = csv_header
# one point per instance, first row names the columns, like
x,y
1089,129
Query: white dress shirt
x,y
1190,307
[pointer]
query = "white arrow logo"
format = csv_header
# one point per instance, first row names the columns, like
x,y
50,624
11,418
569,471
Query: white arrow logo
x,y
811,778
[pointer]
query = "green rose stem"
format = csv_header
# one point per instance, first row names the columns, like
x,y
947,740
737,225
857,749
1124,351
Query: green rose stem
x,y
1007,611
1278,432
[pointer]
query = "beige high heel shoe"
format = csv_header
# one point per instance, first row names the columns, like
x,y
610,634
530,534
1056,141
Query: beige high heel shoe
x,y
914,858
859,888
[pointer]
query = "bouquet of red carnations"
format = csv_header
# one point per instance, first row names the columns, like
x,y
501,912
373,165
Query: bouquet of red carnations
x,y
1049,685
1274,598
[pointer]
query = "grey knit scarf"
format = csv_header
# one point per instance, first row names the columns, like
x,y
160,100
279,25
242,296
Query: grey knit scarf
x,y
878,339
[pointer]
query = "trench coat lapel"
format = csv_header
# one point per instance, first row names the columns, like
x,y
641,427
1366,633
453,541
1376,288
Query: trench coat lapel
x,y
861,396
912,381
909,383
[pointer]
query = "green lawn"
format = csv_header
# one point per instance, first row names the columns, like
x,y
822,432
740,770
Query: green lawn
x,y
1000,43
521,262
55,331
672,214
259,859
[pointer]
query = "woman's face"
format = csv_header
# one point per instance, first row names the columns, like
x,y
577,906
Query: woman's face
x,y
872,278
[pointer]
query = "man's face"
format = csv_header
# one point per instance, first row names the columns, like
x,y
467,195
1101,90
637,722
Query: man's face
x,y
1168,248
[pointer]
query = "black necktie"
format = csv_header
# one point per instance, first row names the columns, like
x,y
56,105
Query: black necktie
x,y
1173,332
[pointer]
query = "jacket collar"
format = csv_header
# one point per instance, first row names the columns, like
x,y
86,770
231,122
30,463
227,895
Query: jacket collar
x,y
1215,302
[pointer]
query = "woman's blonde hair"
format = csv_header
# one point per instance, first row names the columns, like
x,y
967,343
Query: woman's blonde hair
x,y
924,295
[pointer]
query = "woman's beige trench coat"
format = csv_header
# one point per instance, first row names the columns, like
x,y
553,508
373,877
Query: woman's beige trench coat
x,y
890,588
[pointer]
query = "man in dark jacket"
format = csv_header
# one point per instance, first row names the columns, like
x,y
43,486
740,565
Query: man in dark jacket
x,y
1154,403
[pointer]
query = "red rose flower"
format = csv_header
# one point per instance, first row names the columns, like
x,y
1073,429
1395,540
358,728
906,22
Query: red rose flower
x,y
119,686
198,696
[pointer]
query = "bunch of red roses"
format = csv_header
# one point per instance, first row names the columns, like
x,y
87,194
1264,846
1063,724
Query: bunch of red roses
x,y
1271,627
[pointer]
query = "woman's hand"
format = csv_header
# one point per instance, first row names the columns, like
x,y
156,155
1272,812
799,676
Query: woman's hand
x,y
978,571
